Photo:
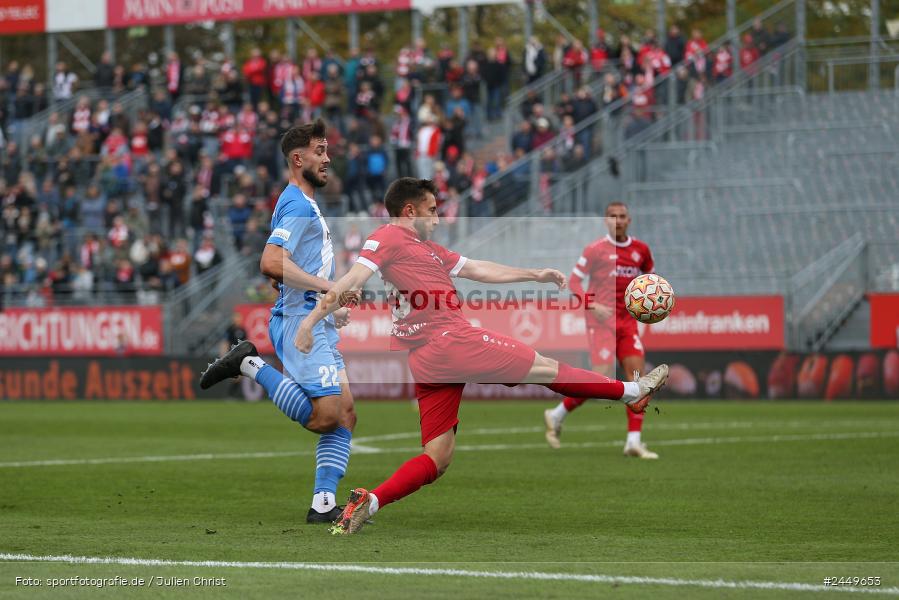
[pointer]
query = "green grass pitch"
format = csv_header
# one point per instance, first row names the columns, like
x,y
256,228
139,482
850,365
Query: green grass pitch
x,y
748,499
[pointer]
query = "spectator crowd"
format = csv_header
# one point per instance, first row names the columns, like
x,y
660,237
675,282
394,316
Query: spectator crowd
x,y
633,84
118,187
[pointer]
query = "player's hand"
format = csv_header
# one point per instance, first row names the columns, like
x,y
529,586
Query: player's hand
x,y
303,341
341,317
350,298
601,312
551,276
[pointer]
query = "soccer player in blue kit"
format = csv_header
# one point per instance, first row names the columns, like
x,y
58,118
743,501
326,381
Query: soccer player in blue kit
x,y
299,255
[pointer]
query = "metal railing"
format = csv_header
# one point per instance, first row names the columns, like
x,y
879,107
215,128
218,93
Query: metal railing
x,y
604,131
823,294
852,73
195,314
130,102
597,182
550,87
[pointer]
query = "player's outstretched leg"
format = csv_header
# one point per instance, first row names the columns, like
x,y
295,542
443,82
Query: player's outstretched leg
x,y
580,383
243,359
409,478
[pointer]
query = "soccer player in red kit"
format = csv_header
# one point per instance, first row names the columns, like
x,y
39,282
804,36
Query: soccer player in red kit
x,y
610,263
445,350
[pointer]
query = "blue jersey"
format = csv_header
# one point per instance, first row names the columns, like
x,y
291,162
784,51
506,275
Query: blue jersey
x,y
299,228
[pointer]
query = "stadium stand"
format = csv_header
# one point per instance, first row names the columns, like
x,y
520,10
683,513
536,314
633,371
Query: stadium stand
x,y
149,188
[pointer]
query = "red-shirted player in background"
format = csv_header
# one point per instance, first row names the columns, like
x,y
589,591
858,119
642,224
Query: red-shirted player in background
x,y
445,350
611,330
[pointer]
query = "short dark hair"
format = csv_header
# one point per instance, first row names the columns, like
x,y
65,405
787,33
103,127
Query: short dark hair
x,y
302,136
405,190
615,203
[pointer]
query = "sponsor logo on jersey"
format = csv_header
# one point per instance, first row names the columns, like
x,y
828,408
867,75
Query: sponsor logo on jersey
x,y
629,272
371,245
282,234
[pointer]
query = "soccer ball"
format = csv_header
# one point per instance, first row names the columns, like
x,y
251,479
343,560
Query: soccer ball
x,y
649,298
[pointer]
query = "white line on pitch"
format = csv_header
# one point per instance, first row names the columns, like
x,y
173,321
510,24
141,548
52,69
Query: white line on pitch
x,y
462,448
655,427
145,459
526,575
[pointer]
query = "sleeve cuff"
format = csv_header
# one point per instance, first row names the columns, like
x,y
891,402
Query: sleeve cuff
x,y
458,267
579,273
367,263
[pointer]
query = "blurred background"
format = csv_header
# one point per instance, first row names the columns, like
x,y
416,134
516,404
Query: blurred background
x,y
755,143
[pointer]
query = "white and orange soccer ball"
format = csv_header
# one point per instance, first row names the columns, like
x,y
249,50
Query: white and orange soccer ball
x,y
649,298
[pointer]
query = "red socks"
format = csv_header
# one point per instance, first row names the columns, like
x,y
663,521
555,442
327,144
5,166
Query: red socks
x,y
634,420
572,403
414,473
581,383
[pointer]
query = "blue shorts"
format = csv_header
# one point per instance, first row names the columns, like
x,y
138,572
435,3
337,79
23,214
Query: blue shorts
x,y
316,372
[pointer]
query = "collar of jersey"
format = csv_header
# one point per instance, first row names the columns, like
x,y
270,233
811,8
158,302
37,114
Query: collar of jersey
x,y
406,230
624,244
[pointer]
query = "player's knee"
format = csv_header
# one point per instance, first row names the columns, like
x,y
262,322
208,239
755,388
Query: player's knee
x,y
442,468
442,462
544,370
442,458
325,417
348,417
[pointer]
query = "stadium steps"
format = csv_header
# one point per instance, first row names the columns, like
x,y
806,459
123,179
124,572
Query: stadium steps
x,y
854,333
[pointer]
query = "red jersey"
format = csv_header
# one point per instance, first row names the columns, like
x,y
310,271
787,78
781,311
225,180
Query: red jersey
x,y
695,47
417,276
605,259
723,66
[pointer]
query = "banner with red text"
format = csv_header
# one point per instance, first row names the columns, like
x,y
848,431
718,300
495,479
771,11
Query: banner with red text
x,y
706,323
129,13
81,331
719,323
21,16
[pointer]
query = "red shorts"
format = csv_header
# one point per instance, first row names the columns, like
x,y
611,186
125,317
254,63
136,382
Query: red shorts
x,y
607,344
443,366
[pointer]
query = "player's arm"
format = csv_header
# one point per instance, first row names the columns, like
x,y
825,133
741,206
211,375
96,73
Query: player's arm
x,y
491,272
578,275
343,291
276,263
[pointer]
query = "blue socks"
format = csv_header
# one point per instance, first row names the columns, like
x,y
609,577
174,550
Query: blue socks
x,y
331,457
332,454
286,394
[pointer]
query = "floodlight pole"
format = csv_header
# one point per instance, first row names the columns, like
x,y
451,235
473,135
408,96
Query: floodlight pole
x,y
290,38
660,22
52,57
874,66
416,25
463,32
800,39
168,36
528,19
353,26
109,43
228,39
732,34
